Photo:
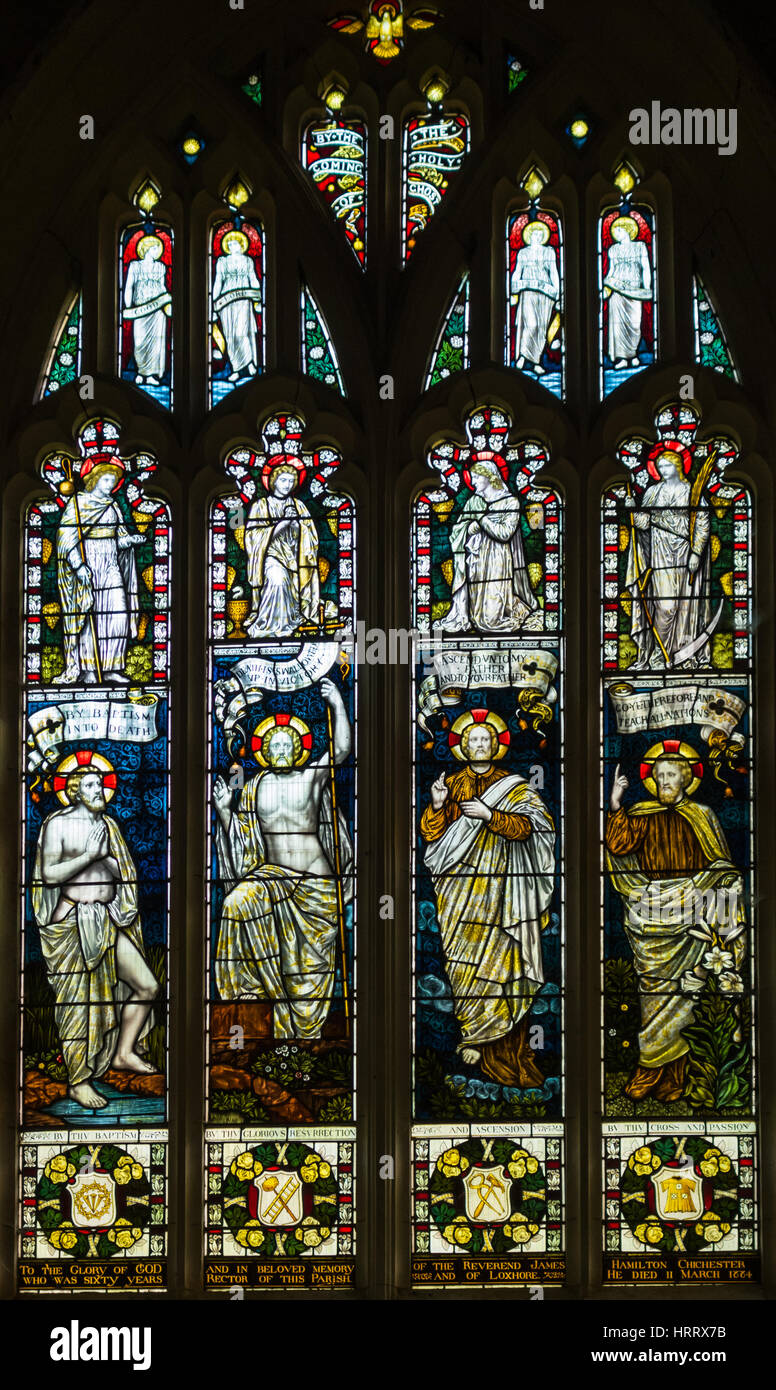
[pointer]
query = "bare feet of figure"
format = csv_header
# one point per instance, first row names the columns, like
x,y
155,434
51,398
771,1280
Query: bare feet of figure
x,y
470,1056
130,1061
84,1094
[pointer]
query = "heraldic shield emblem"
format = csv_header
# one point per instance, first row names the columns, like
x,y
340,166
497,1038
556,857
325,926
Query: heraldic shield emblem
x,y
93,1201
678,1193
487,1190
279,1198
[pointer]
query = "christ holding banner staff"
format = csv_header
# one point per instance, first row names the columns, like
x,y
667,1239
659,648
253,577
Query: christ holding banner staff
x,y
278,852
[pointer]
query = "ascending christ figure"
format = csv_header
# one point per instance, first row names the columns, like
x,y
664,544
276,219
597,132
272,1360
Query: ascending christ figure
x,y
97,578
84,896
281,545
276,851
491,856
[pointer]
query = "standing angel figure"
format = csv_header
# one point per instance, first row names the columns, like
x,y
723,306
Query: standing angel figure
x,y
627,285
535,289
97,578
236,300
148,305
491,590
281,545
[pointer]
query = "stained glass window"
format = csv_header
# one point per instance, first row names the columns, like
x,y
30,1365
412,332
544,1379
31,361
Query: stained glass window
x,y
280,1135
435,146
334,155
711,346
237,298
534,327
628,288
487,857
319,357
451,350
95,873
63,364
145,301
679,1085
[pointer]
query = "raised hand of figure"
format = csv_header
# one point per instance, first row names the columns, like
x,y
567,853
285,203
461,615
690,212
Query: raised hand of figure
x,y
476,809
439,792
329,691
619,788
222,796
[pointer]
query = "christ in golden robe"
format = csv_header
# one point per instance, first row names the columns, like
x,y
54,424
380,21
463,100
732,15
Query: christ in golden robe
x,y
491,857
670,863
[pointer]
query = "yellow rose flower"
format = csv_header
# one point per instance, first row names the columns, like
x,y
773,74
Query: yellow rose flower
x,y
520,1234
532,1164
459,1233
257,1168
242,1167
124,1239
325,1232
312,1238
58,1169
68,1240
642,1155
517,1169
709,1167
324,1169
122,1175
309,1172
723,1163
137,1171
654,1234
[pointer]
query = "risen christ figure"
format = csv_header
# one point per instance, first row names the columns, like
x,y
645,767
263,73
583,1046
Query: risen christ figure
x,y
491,591
281,545
276,851
84,896
491,857
668,570
97,578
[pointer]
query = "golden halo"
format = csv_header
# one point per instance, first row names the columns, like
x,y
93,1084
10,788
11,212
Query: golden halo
x,y
673,749
85,760
146,243
534,228
281,721
628,224
239,237
479,716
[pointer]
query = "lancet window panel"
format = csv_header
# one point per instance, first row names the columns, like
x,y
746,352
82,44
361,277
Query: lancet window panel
x,y
680,1136
282,1004
95,874
487,867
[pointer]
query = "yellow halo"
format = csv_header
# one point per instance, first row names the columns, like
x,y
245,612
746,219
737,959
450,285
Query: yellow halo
x,y
628,225
673,749
146,245
500,734
239,237
78,762
285,722
539,232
